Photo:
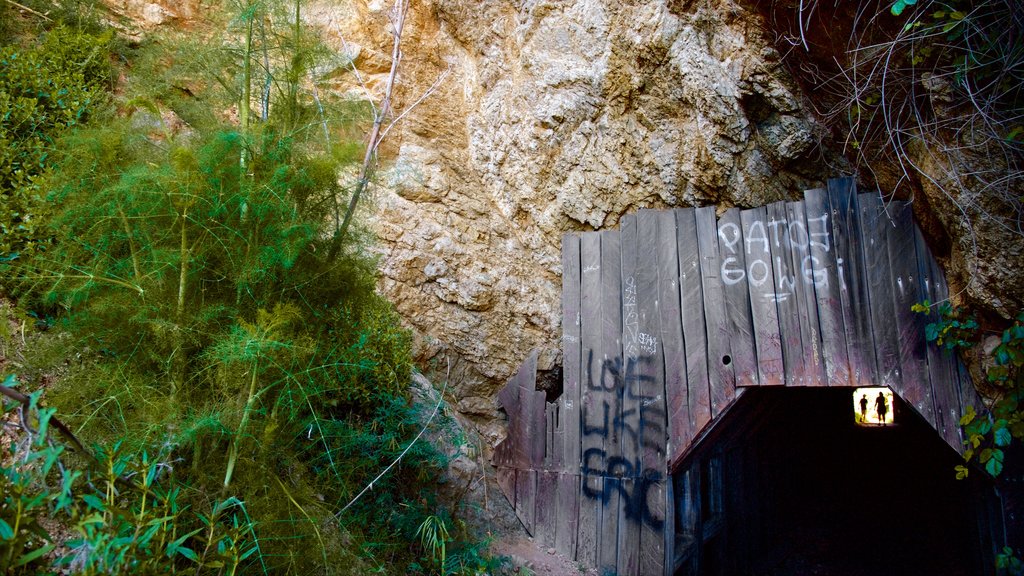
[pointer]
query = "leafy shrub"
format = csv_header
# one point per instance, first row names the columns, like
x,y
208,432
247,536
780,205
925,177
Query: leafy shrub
x,y
43,90
988,435
124,511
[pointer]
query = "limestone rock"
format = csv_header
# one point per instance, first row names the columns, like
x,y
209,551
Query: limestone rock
x,y
559,116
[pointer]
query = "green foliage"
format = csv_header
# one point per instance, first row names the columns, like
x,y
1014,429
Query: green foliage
x,y
434,538
988,435
1007,562
43,90
953,331
124,511
198,314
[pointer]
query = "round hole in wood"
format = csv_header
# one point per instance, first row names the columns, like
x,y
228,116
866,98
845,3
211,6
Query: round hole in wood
x,y
726,360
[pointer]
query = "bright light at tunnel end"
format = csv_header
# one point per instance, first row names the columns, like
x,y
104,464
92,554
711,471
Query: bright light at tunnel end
x,y
873,406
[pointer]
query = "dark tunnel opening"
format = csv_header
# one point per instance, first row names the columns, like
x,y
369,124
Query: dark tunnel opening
x,y
787,484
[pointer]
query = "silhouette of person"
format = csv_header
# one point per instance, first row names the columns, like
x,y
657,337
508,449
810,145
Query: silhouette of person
x,y
881,407
864,408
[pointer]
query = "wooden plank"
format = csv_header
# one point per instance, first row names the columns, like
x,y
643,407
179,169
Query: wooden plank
x,y
969,397
784,294
526,499
608,544
692,309
739,322
610,386
547,513
506,478
654,514
875,238
941,366
806,299
611,390
647,393
761,287
627,406
646,530
853,289
825,277
568,513
554,433
569,411
591,445
678,415
907,291
721,376
668,559
629,528
532,405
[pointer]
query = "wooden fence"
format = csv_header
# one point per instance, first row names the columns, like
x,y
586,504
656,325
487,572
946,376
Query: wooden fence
x,y
668,319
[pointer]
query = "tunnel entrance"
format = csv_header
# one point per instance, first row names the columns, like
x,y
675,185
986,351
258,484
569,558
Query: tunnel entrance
x,y
787,484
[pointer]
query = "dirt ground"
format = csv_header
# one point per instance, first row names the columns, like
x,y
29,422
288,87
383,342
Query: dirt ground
x,y
529,557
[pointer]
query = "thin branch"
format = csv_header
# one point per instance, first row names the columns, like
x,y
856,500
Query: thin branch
x,y
401,7
404,452
29,10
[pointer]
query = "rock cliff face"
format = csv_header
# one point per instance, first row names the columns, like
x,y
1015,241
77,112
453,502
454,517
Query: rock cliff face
x,y
556,116
524,119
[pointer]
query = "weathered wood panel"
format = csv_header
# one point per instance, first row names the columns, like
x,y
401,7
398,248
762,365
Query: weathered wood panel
x,y
526,499
652,511
547,513
875,225
695,338
627,371
626,365
941,365
608,544
506,478
825,276
609,388
566,529
569,411
649,390
590,408
761,287
721,376
678,423
853,288
628,563
739,322
906,291
803,291
793,355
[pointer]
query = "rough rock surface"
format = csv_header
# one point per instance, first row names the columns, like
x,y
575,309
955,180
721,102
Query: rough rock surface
x,y
555,116
524,119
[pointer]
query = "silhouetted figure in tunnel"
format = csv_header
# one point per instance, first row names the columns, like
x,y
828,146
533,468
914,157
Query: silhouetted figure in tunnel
x,y
864,408
881,407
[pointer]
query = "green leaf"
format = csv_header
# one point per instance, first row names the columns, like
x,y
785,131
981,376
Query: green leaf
x,y
6,532
188,553
1003,437
994,467
95,503
897,7
33,555
968,416
961,472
